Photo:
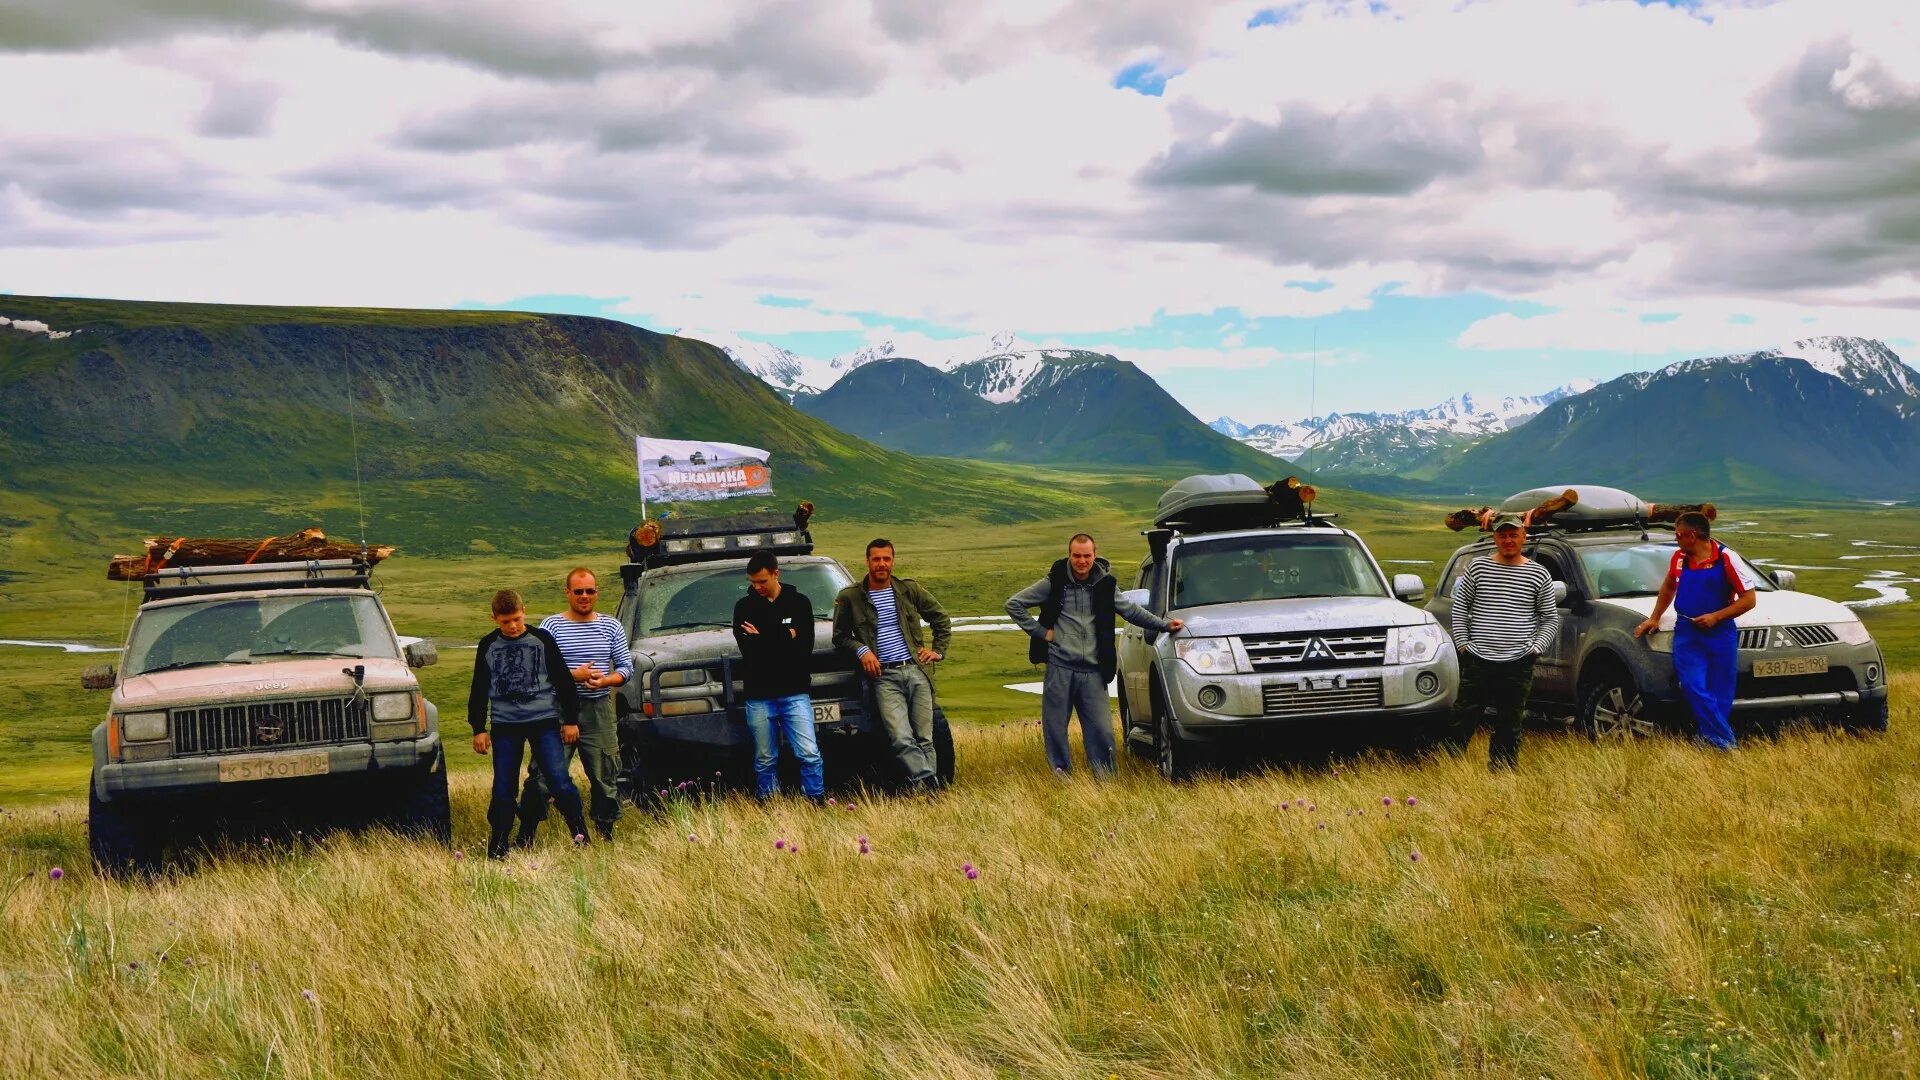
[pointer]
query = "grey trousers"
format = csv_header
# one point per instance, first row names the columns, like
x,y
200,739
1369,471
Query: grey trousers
x,y
904,699
1073,690
599,752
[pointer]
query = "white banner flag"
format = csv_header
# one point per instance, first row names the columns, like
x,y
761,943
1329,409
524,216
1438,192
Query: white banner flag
x,y
682,470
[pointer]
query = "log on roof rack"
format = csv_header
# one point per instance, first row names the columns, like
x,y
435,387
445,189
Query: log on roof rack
x,y
306,545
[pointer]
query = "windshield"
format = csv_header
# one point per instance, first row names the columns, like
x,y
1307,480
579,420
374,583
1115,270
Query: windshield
x,y
1639,569
1278,566
242,630
703,600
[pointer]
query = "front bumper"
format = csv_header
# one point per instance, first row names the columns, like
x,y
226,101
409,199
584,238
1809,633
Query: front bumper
x,y
1329,699
728,727
349,762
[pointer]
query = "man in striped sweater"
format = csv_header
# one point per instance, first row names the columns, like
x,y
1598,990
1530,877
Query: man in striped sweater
x,y
1503,616
596,652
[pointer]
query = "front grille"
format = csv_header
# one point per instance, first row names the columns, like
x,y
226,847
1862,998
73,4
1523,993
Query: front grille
x,y
269,725
1280,699
1812,635
1309,652
1806,636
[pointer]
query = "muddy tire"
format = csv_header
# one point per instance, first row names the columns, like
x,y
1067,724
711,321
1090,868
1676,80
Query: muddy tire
x,y
1614,710
421,807
121,843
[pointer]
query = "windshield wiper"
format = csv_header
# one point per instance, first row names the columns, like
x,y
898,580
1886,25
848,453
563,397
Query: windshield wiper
x,y
310,652
178,665
689,625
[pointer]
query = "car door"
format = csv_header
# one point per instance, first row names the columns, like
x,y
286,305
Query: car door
x,y
1553,671
1135,655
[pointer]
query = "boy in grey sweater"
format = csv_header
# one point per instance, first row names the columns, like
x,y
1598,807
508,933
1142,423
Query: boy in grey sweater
x,y
520,678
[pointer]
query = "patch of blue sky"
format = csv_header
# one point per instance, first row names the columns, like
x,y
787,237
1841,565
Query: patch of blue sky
x,y
1144,77
771,300
1655,318
1741,320
557,304
1272,16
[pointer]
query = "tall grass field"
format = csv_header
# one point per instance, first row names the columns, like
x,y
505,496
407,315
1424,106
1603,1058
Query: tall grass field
x,y
1648,909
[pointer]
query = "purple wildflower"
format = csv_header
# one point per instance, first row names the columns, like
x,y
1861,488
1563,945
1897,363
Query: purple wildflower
x,y
970,870
1411,801
864,849
863,839
310,995
1386,800
1414,855
832,802
1312,807
779,845
459,855
579,838
693,838
56,874
133,965
1286,806
1322,825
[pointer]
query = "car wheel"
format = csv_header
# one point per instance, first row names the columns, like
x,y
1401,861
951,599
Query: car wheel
x,y
1179,758
120,843
1868,717
422,808
1613,709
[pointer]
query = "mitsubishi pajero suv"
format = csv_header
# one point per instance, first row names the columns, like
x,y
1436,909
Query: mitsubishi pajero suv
x,y
1290,627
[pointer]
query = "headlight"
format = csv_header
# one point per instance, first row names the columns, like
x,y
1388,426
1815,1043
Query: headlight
x,y
679,545
1207,655
393,706
1851,632
683,677
143,726
785,538
1414,644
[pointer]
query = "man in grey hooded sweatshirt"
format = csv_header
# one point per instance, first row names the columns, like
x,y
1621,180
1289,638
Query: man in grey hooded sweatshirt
x,y
1074,637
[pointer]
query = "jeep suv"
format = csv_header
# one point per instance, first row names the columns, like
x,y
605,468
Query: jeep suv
x,y
685,704
1799,654
251,688
1290,628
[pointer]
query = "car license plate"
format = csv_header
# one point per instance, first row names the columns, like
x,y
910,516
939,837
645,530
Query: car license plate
x,y
826,712
279,767
1792,665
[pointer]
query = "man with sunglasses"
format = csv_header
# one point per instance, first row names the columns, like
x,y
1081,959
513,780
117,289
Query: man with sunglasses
x,y
595,649
1707,590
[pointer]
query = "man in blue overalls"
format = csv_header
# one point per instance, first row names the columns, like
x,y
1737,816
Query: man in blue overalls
x,y
1707,590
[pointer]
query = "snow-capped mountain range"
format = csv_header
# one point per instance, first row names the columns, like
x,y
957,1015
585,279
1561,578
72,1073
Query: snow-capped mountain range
x,y
1468,417
1862,363
999,367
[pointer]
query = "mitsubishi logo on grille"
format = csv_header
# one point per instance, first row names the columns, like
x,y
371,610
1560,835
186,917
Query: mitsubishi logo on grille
x,y
269,729
1317,649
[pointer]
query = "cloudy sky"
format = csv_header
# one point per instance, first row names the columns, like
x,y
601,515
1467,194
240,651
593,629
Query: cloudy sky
x,y
1355,204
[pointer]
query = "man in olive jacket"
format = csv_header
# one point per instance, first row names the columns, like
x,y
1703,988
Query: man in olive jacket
x,y
880,621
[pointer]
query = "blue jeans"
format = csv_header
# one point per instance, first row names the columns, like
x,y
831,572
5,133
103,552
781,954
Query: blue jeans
x,y
1707,668
794,715
904,699
510,743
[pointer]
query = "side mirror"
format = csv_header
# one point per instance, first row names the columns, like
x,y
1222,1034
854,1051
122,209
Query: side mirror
x,y
1559,590
98,677
1783,578
1136,596
1409,587
422,653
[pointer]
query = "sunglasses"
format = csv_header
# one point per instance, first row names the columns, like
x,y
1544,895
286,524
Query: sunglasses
x,y
585,592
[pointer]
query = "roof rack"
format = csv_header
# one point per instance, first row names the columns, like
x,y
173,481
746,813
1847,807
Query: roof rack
x,y
242,577
731,536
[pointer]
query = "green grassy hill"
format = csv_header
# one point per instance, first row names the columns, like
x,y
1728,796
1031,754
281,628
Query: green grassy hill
x,y
460,430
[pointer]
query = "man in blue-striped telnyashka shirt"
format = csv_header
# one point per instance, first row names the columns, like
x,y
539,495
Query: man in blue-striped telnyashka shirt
x,y
1503,616
595,649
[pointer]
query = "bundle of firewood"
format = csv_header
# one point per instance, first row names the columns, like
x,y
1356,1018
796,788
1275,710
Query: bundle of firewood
x,y
166,551
1484,517
1670,512
1290,497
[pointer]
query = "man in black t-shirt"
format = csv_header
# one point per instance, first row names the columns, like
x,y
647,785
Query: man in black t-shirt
x,y
773,625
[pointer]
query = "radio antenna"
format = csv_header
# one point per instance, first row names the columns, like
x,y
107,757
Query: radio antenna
x,y
353,430
1313,393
